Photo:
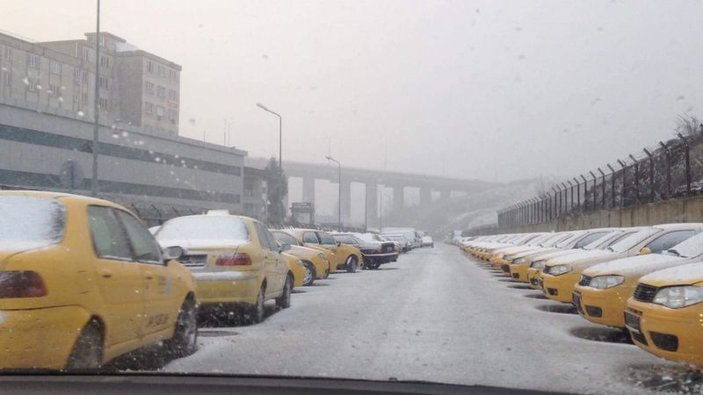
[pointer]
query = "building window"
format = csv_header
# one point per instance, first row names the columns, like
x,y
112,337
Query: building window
x,y
160,91
149,66
55,67
172,116
7,54
172,75
149,88
54,90
160,111
6,78
86,54
104,61
32,84
172,95
102,103
162,70
33,61
103,83
148,108
84,76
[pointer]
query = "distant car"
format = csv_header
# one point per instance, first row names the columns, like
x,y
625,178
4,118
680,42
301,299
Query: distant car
x,y
236,262
375,253
427,241
316,261
406,245
347,256
83,282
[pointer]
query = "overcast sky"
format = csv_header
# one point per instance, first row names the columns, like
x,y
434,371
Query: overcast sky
x,y
495,90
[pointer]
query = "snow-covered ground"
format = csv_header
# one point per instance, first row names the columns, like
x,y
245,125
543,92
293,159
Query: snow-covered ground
x,y
435,315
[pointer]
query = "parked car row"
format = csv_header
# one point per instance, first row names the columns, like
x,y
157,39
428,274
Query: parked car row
x,y
646,281
83,281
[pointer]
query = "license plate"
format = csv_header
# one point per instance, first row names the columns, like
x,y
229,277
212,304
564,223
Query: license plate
x,y
632,322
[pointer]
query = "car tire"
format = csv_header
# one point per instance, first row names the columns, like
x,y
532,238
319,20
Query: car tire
x,y
87,353
283,301
255,313
351,264
310,273
185,338
373,265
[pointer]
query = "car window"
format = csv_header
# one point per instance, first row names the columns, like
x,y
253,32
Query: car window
x,y
589,239
109,238
668,240
326,239
271,240
310,237
346,239
285,238
143,243
264,240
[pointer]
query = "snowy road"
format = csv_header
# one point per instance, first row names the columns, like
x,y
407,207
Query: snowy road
x,y
434,315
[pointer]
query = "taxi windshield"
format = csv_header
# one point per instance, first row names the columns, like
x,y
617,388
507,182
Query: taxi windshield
x,y
632,240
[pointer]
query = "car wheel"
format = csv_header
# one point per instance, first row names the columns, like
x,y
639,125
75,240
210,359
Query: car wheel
x,y
283,301
373,265
310,273
87,353
255,314
185,339
351,264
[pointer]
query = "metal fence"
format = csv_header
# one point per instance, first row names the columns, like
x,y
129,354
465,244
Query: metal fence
x,y
669,170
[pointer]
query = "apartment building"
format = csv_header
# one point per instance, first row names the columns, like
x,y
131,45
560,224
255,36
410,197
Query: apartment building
x,y
136,88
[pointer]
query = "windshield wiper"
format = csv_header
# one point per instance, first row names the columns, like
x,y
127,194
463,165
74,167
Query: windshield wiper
x,y
673,251
611,249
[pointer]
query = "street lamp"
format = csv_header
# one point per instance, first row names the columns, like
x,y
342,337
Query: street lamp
x,y
280,133
96,107
339,194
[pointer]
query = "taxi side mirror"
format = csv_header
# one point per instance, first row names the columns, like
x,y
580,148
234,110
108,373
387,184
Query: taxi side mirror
x,y
173,252
284,247
645,251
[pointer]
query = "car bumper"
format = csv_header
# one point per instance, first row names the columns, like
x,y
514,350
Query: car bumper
x,y
673,334
602,306
381,258
519,272
559,288
39,338
226,287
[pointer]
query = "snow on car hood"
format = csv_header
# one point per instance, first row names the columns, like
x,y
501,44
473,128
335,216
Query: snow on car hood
x,y
691,273
635,265
582,257
554,253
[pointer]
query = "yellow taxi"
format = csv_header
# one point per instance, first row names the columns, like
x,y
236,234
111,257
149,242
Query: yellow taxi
x,y
560,275
347,257
236,262
82,281
664,314
297,268
317,260
602,292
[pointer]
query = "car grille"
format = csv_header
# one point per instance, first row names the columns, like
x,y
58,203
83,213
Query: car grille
x,y
645,293
193,260
585,280
388,248
665,342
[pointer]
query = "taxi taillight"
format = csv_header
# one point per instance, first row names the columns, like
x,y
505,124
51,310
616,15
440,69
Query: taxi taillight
x,y
233,260
21,284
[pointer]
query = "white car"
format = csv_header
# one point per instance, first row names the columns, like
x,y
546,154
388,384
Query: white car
x,y
427,241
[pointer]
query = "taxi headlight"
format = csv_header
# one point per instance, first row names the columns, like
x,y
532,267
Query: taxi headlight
x,y
558,270
604,282
678,297
519,261
538,264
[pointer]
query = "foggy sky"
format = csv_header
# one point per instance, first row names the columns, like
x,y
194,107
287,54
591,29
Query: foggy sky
x,y
494,90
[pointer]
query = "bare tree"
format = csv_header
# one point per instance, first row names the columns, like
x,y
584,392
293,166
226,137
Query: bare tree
x,y
688,125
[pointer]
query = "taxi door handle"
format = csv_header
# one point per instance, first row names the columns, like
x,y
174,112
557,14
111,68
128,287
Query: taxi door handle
x,y
105,273
148,275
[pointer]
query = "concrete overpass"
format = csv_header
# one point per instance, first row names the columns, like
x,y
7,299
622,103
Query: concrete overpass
x,y
398,181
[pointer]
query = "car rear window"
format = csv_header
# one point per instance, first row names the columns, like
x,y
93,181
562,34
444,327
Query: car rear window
x,y
204,229
29,222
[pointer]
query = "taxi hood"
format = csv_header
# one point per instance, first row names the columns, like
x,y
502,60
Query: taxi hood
x,y
635,265
691,273
583,257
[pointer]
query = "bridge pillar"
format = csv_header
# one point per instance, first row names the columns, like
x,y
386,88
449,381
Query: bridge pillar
x,y
425,195
309,189
345,200
445,193
371,203
398,197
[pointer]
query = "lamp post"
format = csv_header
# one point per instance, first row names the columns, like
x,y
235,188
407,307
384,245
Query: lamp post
x,y
339,194
280,133
96,107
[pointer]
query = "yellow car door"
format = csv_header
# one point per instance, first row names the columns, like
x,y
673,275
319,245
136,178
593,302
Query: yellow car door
x,y
161,303
272,261
120,280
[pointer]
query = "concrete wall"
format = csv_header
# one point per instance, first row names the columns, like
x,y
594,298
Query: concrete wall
x,y
669,211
